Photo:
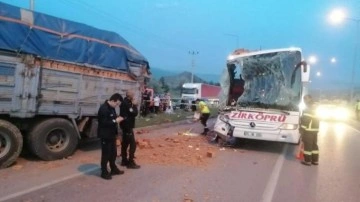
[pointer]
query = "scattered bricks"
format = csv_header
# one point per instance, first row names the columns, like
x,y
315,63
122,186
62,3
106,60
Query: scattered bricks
x,y
176,141
209,154
146,140
161,145
17,167
199,157
142,144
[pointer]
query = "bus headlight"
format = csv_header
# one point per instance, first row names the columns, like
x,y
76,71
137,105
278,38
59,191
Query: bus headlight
x,y
288,126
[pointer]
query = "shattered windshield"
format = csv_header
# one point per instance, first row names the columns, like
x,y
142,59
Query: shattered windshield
x,y
265,81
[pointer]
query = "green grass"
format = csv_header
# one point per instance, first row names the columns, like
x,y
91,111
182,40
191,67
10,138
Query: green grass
x,y
179,115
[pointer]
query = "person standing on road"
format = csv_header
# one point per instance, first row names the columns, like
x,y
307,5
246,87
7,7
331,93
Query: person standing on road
x,y
357,110
107,131
309,131
204,114
129,111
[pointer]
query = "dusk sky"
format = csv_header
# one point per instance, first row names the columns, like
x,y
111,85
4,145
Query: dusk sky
x,y
164,31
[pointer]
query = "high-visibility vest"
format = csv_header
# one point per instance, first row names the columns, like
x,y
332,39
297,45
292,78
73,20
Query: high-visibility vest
x,y
204,109
309,121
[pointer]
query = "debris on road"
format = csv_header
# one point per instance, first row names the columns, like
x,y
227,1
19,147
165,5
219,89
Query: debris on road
x,y
209,154
175,150
17,167
141,131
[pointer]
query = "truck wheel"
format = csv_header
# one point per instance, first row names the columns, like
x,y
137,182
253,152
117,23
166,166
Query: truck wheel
x,y
11,143
52,139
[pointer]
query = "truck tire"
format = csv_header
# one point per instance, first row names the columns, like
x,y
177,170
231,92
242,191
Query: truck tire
x,y
52,139
11,143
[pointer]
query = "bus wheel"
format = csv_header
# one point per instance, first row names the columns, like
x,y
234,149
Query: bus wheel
x,y
11,143
52,139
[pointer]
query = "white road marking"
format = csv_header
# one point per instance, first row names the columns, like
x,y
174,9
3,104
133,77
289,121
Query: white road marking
x,y
20,193
274,177
358,131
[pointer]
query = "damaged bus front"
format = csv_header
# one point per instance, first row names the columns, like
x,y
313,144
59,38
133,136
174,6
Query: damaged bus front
x,y
262,94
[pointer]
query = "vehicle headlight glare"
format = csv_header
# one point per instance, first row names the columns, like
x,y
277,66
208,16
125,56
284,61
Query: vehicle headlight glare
x,y
288,126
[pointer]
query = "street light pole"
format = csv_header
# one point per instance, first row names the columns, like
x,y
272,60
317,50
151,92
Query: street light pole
x,y
193,53
336,17
357,41
32,5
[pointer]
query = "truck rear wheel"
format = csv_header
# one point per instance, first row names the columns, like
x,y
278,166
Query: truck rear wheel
x,y
52,139
11,143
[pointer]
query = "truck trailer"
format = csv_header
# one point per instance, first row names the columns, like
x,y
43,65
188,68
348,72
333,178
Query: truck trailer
x,y
54,75
193,91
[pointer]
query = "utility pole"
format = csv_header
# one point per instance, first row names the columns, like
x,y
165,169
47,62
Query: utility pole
x,y
193,53
32,5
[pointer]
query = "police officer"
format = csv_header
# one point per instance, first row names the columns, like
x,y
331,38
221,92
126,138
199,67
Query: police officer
x,y
107,131
129,111
309,131
205,114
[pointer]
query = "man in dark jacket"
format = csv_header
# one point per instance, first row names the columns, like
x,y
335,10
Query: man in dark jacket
x,y
107,131
309,131
129,111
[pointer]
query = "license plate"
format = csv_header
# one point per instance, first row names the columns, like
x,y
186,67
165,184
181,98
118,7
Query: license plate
x,y
252,134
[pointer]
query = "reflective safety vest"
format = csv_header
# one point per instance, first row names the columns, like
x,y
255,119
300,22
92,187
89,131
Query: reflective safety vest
x,y
204,109
309,121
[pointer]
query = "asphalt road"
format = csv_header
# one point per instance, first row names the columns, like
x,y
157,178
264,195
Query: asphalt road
x,y
251,171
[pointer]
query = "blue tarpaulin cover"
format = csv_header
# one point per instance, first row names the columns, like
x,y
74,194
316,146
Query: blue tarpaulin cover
x,y
49,37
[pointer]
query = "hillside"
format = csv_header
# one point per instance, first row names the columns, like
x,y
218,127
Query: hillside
x,y
157,73
173,82
177,80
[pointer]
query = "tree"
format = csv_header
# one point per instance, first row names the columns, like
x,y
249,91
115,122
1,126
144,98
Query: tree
x,y
165,88
154,84
162,81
